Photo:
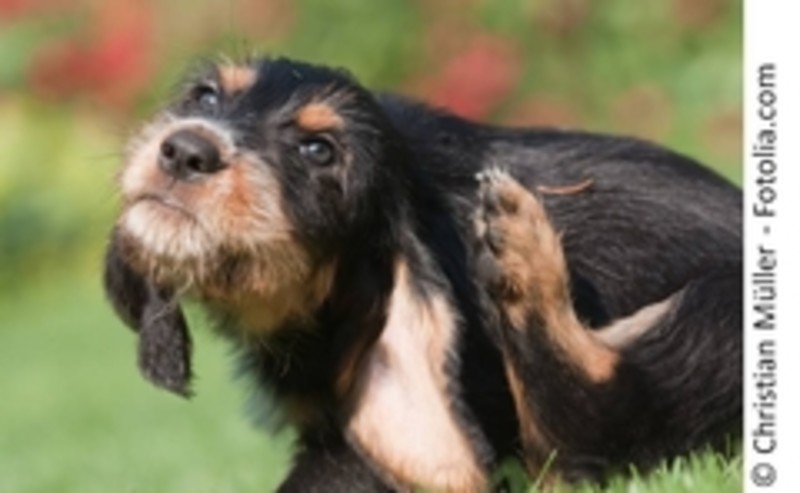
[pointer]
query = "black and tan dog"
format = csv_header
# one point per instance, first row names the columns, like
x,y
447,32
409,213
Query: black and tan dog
x,y
424,295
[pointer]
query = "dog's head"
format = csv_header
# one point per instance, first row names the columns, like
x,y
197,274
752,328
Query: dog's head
x,y
242,193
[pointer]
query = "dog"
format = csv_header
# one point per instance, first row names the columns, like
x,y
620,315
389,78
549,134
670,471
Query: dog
x,y
425,296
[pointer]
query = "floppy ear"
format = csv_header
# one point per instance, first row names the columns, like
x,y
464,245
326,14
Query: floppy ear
x,y
165,345
405,383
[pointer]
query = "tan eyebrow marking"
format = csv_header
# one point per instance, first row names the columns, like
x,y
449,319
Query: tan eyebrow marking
x,y
317,116
236,78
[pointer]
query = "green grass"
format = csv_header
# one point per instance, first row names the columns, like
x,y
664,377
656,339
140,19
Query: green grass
x,y
700,473
706,473
76,416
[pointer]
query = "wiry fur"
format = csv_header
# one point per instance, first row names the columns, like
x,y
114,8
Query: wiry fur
x,y
418,314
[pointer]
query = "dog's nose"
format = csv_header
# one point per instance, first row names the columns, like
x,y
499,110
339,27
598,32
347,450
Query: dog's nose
x,y
186,153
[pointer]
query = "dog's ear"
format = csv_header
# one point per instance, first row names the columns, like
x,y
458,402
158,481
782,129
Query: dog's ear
x,y
407,379
165,345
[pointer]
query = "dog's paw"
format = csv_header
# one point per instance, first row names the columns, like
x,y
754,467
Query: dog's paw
x,y
520,260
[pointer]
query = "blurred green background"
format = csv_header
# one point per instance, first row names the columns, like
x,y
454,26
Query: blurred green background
x,y
76,77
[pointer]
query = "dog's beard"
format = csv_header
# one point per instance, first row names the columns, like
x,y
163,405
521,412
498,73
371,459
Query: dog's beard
x,y
256,286
173,249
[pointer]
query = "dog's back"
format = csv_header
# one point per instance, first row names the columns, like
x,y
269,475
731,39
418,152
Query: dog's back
x,y
638,220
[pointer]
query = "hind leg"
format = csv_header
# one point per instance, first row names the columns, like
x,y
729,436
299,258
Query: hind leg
x,y
523,266
597,398
556,367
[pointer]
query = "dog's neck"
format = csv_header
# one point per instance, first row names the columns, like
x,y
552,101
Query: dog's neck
x,y
325,348
254,317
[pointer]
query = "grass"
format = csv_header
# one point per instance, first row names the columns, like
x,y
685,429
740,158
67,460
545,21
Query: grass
x,y
700,473
76,417
704,473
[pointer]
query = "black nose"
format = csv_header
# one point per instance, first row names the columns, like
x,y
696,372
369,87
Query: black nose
x,y
186,153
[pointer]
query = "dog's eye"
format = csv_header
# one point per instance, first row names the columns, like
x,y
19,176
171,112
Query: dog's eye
x,y
318,151
206,96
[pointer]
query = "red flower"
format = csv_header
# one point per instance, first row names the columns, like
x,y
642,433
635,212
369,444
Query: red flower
x,y
477,79
111,63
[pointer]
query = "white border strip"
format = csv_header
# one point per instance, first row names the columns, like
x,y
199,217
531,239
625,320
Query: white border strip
x,y
772,248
